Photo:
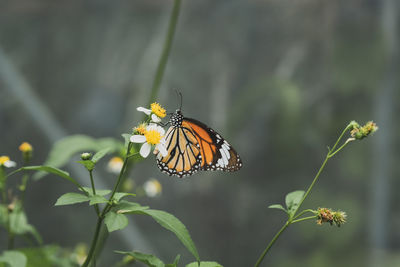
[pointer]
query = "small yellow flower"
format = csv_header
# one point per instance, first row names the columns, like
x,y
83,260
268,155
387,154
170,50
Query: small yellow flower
x,y
115,165
158,110
6,162
152,188
81,251
25,147
141,128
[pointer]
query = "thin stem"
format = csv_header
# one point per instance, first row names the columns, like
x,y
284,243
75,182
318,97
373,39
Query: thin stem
x,y
304,219
105,210
301,213
96,206
286,225
166,51
94,242
292,219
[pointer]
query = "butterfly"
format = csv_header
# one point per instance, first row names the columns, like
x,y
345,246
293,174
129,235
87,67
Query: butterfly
x,y
193,146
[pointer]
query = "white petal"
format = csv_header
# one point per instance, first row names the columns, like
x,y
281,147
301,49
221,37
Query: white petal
x,y
161,130
145,150
163,150
10,164
145,110
138,139
155,118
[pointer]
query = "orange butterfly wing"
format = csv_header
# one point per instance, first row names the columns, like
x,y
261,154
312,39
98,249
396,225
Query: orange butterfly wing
x,y
193,146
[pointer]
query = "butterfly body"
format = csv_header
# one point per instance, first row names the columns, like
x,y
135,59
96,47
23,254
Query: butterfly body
x,y
193,146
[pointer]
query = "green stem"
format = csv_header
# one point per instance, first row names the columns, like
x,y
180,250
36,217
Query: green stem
x,y
96,206
292,219
94,242
166,51
286,225
304,219
301,213
105,210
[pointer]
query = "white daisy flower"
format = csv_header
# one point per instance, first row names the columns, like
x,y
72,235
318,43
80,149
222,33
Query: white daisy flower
x,y
6,162
156,111
154,135
152,188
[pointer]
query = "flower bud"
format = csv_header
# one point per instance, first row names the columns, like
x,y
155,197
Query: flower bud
x,y
86,156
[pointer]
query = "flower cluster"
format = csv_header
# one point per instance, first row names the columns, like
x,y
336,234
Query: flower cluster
x,y
149,133
360,132
325,215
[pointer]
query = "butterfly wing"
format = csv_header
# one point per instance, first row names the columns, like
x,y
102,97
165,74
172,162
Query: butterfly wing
x,y
183,157
216,152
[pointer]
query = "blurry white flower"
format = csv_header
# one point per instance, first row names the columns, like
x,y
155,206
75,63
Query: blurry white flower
x,y
152,188
115,165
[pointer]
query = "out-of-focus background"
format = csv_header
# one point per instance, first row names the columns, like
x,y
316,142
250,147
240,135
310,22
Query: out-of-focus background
x,y
278,79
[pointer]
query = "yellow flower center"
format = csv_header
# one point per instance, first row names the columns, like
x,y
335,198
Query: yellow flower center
x,y
4,159
153,137
25,147
158,110
141,129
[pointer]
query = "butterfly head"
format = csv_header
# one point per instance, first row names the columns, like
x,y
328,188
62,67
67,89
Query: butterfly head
x,y
176,118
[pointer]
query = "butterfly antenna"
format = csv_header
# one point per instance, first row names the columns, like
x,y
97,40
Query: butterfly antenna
x,y
179,94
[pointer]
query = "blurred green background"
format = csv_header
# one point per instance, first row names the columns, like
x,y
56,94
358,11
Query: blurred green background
x,y
278,79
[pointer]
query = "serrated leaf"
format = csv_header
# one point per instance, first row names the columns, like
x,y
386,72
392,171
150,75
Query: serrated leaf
x,y
171,223
13,258
97,199
65,148
148,259
277,206
49,169
89,165
100,154
115,221
119,195
71,198
204,264
293,200
19,225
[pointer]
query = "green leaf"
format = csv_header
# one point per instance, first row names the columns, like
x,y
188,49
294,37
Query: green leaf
x,y
71,198
129,207
97,199
175,263
171,223
89,165
49,169
65,148
48,256
100,154
119,195
277,206
101,192
115,221
204,264
13,258
148,259
293,200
